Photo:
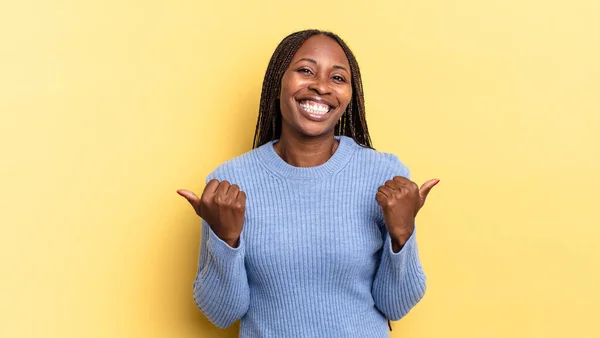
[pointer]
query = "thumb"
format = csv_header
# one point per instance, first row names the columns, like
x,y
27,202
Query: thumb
x,y
426,188
190,196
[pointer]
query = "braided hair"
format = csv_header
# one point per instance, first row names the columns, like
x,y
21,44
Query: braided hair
x,y
268,126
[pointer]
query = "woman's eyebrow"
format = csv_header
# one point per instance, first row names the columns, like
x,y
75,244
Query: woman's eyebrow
x,y
315,62
341,67
307,59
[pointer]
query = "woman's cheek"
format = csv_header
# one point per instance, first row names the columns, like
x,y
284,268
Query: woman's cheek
x,y
347,98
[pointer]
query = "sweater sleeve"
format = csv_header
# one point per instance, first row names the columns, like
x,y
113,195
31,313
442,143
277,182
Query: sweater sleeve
x,y
400,281
220,288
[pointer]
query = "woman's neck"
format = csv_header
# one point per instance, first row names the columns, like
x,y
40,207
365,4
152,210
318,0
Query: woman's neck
x,y
306,151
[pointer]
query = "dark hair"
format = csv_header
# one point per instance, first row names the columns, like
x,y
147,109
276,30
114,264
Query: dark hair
x,y
268,125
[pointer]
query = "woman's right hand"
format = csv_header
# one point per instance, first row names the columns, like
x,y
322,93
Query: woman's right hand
x,y
222,206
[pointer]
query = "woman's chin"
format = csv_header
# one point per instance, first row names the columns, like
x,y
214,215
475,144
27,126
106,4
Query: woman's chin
x,y
309,129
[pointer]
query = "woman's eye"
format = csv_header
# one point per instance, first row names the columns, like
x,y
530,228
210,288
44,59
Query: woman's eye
x,y
305,71
339,78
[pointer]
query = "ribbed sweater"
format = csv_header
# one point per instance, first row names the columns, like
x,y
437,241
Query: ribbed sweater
x,y
314,257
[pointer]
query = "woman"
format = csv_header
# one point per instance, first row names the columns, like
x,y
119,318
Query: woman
x,y
310,234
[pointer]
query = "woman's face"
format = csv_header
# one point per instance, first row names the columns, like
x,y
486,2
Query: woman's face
x,y
316,88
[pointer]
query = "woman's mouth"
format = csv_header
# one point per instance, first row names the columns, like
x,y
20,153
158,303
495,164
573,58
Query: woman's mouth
x,y
314,109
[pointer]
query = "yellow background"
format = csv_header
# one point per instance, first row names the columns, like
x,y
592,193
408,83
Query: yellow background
x,y
108,107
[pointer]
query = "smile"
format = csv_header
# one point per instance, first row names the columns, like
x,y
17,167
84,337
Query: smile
x,y
315,108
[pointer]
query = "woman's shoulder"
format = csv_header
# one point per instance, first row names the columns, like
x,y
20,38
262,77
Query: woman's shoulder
x,y
385,162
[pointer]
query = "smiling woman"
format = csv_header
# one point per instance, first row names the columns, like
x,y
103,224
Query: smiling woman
x,y
316,88
312,233
331,52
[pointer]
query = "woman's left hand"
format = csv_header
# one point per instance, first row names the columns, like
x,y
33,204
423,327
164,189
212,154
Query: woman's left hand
x,y
400,200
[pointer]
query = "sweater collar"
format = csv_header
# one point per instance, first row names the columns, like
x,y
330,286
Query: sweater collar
x,y
335,163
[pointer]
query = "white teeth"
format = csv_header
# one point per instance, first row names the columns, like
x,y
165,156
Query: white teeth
x,y
315,108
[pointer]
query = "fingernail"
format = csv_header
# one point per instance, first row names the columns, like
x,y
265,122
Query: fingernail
x,y
436,182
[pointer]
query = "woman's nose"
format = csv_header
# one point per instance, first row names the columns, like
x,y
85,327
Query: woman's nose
x,y
320,85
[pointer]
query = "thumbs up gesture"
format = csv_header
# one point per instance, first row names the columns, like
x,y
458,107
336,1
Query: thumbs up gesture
x,y
400,200
222,206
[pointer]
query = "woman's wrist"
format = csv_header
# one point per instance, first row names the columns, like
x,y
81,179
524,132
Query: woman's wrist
x,y
398,241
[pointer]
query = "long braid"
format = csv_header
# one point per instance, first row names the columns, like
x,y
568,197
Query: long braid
x,y
268,125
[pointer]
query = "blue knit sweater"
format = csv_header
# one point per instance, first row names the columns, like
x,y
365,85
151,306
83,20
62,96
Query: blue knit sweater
x,y
314,258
